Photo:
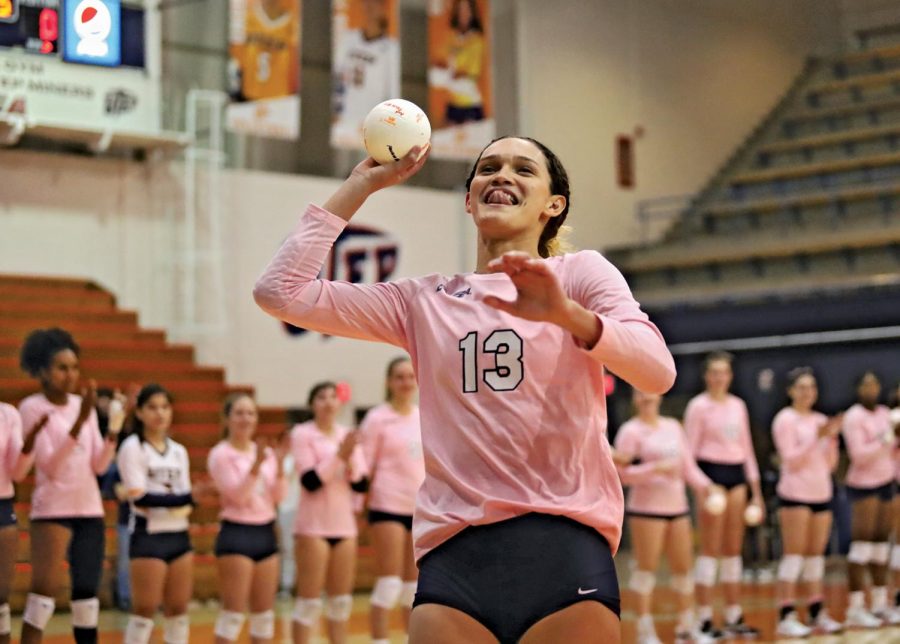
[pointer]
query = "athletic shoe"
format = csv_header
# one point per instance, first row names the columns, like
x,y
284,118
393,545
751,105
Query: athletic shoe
x,y
707,629
861,618
740,629
824,624
891,616
791,626
694,637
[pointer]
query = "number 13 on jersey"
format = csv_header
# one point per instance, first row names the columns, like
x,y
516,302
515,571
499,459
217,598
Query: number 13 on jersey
x,y
508,371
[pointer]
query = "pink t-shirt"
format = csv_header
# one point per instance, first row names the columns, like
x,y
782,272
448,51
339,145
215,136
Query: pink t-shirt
x,y
653,492
67,470
513,411
719,431
392,444
806,460
246,498
329,510
10,448
870,441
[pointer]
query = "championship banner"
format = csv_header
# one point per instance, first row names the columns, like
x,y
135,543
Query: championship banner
x,y
365,66
460,96
264,68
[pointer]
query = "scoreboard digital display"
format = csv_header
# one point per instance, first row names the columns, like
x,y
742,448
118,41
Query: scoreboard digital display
x,y
37,26
32,25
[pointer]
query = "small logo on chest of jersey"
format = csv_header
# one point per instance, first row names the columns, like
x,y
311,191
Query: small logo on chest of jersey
x,y
459,294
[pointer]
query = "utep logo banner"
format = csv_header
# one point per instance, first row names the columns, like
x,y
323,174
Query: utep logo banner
x,y
361,255
93,32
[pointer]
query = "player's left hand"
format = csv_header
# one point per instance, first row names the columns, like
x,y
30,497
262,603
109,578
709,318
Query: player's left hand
x,y
539,293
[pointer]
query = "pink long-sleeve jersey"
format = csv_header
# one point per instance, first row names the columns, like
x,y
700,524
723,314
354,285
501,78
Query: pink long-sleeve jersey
x,y
66,469
246,497
806,460
10,447
870,444
392,444
719,431
329,510
653,492
513,411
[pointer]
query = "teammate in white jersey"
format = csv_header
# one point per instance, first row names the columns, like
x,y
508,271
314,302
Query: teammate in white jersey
x,y
156,473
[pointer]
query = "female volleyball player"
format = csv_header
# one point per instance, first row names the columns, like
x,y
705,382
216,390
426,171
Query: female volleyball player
x,y
331,468
392,443
718,430
870,442
250,481
521,508
68,454
156,474
895,550
658,464
807,448
10,453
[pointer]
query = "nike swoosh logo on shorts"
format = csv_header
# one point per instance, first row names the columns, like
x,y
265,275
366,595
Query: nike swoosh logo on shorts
x,y
587,592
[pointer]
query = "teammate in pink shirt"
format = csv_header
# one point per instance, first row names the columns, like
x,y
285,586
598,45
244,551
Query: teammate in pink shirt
x,y
895,550
332,469
870,440
156,474
718,431
251,483
391,438
521,508
655,462
10,452
806,442
68,453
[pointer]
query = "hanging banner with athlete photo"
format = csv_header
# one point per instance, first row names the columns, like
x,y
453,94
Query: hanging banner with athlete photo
x,y
365,65
460,96
264,68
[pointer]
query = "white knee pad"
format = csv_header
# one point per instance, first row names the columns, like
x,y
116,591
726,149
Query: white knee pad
x,y
731,569
262,625
387,592
881,552
176,630
408,596
5,620
85,612
38,610
307,611
860,552
338,609
642,582
895,557
789,568
813,569
705,570
682,584
229,624
139,630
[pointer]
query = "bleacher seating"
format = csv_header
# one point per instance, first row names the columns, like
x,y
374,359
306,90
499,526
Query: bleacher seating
x,y
811,200
116,352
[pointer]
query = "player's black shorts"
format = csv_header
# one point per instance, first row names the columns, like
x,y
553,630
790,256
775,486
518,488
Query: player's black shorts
x,y
7,512
728,475
815,508
256,542
167,546
404,519
651,515
883,492
511,574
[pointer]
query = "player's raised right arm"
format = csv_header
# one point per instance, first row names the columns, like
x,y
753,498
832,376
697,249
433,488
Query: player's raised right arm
x,y
290,291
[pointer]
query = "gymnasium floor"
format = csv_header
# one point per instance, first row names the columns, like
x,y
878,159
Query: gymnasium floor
x,y
759,605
